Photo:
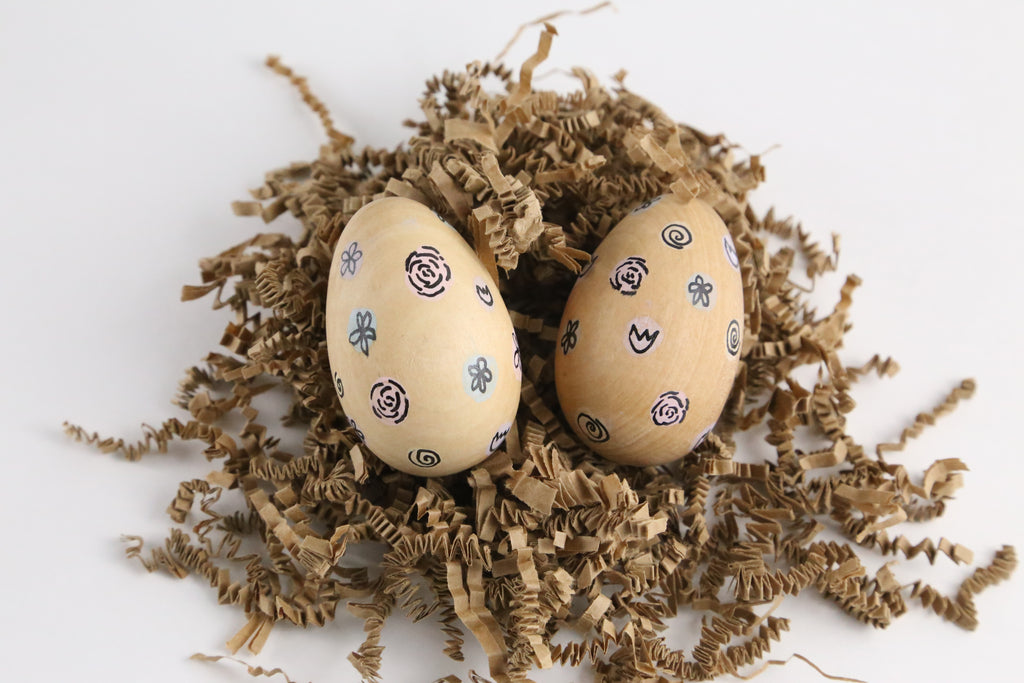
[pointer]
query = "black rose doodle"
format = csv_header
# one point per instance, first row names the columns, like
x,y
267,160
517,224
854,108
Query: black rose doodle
x,y
388,401
629,275
700,291
590,264
364,333
569,337
730,252
426,272
339,385
669,409
357,430
484,292
350,259
592,428
676,235
480,375
732,338
424,457
641,341
498,437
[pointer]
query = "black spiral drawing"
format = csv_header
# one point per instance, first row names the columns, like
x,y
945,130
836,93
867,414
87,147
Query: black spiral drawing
x,y
629,275
388,401
592,428
427,272
669,409
339,385
732,338
676,235
424,457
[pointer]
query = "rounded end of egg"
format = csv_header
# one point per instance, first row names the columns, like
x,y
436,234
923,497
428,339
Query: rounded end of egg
x,y
650,338
419,341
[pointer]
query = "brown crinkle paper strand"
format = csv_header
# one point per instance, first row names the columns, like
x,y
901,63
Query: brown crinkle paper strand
x,y
544,535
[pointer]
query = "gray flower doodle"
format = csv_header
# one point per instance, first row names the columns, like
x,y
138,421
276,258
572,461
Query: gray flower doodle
x,y
364,333
701,291
480,375
350,259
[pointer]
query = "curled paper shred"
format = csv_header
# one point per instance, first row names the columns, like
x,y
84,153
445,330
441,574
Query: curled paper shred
x,y
543,535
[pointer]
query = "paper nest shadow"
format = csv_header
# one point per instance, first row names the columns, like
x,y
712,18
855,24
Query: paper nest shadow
x,y
525,545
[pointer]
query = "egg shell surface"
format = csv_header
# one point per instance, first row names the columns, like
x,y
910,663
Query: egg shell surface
x,y
651,335
422,350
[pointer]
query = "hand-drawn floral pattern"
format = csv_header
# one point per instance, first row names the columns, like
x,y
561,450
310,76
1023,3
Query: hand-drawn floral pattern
x,y
351,259
700,291
669,409
362,330
480,375
629,275
427,272
570,336
388,401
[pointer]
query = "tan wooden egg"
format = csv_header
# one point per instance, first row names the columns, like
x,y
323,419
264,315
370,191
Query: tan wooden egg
x,y
650,339
421,346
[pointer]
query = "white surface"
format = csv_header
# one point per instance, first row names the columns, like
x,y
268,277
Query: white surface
x,y
127,128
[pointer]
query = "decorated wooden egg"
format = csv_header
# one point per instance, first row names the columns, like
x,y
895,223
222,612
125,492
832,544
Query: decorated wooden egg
x,y
421,346
650,339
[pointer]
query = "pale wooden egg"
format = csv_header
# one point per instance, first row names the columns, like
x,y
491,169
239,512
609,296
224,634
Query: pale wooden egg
x,y
421,346
650,339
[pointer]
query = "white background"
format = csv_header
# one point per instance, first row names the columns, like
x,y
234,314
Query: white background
x,y
126,129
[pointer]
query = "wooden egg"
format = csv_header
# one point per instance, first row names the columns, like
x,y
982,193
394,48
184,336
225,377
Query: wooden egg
x,y
421,346
650,339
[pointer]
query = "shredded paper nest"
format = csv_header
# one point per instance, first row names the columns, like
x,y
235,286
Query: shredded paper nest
x,y
544,535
